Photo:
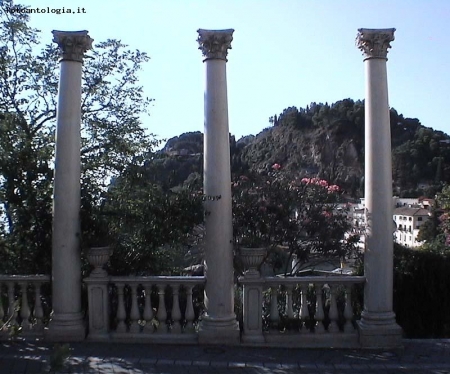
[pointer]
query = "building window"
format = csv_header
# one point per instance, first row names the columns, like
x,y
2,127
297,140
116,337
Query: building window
x,y
419,218
410,218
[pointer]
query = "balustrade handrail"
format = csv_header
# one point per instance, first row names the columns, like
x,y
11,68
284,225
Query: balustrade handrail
x,y
175,279
347,279
23,278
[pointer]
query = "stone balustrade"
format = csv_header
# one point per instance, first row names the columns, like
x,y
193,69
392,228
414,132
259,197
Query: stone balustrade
x,y
149,309
24,307
310,311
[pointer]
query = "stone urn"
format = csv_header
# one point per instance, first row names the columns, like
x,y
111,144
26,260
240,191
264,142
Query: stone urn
x,y
252,259
98,257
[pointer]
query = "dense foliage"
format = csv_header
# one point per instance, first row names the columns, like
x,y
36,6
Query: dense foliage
x,y
272,209
422,292
150,226
435,232
114,146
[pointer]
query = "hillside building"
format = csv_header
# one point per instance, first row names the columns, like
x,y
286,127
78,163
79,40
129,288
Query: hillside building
x,y
408,221
409,215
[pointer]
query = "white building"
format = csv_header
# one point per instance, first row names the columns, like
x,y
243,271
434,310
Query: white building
x,y
408,221
409,215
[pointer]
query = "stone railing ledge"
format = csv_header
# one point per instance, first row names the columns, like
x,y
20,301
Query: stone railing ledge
x,y
25,278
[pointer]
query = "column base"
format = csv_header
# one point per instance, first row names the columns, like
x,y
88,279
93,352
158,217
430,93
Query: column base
x,y
379,330
66,327
219,331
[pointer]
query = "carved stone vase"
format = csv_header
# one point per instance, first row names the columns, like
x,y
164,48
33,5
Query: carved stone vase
x,y
98,257
252,259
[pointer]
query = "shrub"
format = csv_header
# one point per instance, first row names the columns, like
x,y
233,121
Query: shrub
x,y
422,292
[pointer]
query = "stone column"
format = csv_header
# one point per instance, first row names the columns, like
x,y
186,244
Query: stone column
x,y
377,327
219,325
67,322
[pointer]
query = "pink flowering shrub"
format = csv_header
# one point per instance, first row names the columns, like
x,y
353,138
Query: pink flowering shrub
x,y
322,183
271,208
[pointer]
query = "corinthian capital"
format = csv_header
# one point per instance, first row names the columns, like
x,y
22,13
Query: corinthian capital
x,y
374,43
72,44
215,43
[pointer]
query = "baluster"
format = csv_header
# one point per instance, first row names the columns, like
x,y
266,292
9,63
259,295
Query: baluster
x,y
134,313
121,313
348,310
319,328
176,313
289,310
333,312
148,310
2,311
38,311
161,315
304,312
189,315
12,313
25,308
274,315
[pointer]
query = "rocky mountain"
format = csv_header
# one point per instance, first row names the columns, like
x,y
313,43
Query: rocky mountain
x,y
322,140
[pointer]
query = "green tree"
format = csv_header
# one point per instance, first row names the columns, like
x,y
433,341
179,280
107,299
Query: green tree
x,y
436,231
25,195
429,229
112,135
151,224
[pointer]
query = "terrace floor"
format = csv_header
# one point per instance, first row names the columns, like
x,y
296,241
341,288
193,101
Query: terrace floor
x,y
417,356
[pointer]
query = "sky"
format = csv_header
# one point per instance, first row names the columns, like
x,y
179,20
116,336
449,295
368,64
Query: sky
x,y
284,53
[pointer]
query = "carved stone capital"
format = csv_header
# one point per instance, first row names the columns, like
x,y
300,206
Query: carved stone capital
x,y
374,43
214,44
72,44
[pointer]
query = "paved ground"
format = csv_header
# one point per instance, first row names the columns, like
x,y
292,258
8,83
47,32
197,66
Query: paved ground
x,y
417,356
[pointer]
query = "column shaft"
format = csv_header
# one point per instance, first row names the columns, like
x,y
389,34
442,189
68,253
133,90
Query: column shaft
x,y
377,327
66,263
217,182
219,325
378,190
67,322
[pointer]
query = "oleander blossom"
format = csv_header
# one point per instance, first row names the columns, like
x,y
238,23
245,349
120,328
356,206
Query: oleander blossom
x,y
333,188
327,214
317,181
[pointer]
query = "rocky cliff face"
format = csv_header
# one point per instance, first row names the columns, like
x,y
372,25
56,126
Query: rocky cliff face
x,y
323,141
306,153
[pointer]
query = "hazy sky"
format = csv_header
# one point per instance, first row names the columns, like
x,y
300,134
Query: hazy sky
x,y
284,53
